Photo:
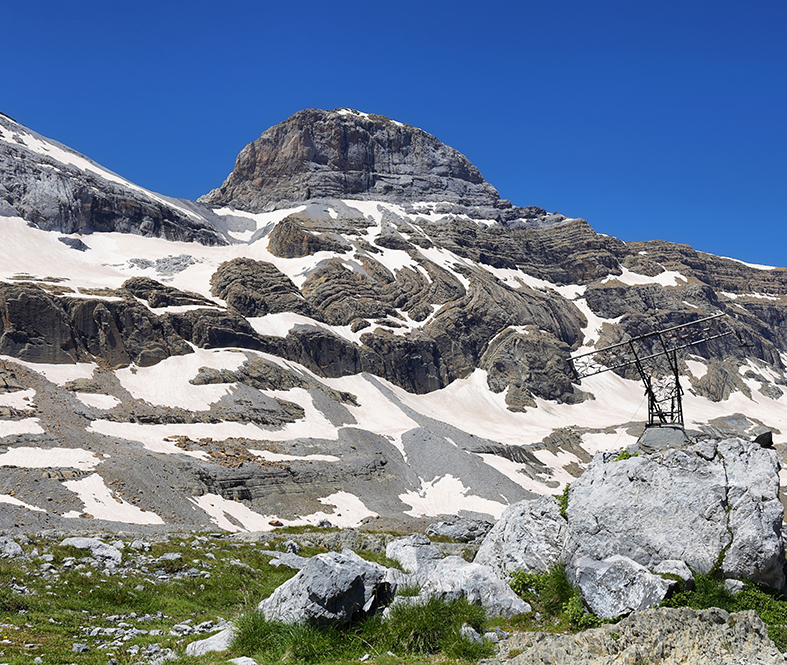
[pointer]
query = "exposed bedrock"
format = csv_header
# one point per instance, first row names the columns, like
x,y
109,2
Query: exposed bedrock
x,y
345,154
665,635
343,295
39,327
159,295
290,239
567,252
411,362
530,364
212,329
58,196
464,327
721,273
257,288
35,327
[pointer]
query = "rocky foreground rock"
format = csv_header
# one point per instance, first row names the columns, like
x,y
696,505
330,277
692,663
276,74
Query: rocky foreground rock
x,y
715,503
710,506
665,636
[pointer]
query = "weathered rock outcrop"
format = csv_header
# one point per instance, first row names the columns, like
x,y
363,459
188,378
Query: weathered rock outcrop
x,y
159,295
618,586
39,327
710,504
330,589
413,552
462,530
257,288
528,362
289,239
211,329
530,535
57,189
453,578
347,154
666,636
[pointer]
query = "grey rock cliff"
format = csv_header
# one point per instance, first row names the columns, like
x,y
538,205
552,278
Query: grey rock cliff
x,y
49,187
336,154
317,154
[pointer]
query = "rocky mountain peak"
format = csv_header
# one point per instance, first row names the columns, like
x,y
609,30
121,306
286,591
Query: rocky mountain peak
x,y
348,154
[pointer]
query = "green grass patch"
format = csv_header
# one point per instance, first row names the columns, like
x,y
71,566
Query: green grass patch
x,y
562,499
417,630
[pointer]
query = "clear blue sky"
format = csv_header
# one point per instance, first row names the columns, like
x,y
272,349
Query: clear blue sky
x,y
649,119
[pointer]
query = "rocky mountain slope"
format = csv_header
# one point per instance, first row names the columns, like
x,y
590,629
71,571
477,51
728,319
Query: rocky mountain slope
x,y
353,327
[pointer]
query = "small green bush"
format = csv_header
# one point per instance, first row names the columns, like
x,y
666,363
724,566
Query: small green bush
x,y
432,626
562,499
553,596
624,454
550,590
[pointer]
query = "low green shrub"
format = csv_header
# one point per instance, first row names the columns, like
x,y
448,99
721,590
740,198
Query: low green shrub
x,y
624,455
557,601
562,499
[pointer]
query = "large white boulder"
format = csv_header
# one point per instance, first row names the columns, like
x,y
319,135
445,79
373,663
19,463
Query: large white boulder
x,y
716,501
529,535
453,578
100,550
413,552
618,586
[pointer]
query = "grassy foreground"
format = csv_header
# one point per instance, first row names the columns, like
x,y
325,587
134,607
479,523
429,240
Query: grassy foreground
x,y
137,613
150,608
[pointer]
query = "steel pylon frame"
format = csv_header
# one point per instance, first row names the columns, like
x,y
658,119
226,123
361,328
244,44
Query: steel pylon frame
x,y
658,368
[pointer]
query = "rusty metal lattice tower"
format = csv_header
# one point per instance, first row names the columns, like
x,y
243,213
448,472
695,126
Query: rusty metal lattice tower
x,y
655,355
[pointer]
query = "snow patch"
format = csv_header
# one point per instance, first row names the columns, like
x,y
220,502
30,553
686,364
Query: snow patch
x,y
98,401
666,278
697,368
518,473
43,458
282,457
447,496
601,442
220,510
278,325
756,266
349,511
21,399
100,503
16,427
57,373
5,498
167,382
